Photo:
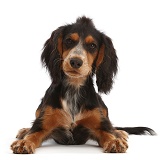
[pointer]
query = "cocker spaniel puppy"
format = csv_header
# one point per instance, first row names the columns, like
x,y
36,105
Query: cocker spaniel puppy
x,y
71,112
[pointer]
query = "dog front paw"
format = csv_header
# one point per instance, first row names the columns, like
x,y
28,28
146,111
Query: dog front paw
x,y
23,147
116,146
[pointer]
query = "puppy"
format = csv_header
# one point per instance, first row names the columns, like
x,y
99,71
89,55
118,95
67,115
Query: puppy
x,y
71,112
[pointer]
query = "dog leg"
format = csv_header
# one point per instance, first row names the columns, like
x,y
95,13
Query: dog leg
x,y
111,140
41,129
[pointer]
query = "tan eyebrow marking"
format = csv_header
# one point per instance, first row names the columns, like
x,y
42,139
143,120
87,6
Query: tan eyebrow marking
x,y
74,36
89,39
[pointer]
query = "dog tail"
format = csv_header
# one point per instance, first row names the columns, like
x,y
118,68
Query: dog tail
x,y
137,130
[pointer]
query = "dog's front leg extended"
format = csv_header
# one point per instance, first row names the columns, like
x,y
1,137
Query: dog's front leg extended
x,y
111,140
28,144
42,128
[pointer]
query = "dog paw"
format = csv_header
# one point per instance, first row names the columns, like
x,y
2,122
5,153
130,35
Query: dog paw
x,y
23,147
116,146
22,132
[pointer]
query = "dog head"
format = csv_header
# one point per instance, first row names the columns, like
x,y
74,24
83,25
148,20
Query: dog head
x,y
79,50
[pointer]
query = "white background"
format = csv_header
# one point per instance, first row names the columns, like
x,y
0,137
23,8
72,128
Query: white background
x,y
134,27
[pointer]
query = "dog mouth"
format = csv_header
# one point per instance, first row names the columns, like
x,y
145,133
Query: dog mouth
x,y
73,74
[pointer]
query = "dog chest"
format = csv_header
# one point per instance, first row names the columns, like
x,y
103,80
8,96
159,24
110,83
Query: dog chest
x,y
71,109
71,102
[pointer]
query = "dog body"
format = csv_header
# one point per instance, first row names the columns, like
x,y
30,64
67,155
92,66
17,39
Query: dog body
x,y
71,112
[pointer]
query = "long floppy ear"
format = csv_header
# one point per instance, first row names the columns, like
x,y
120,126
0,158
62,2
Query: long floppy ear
x,y
106,65
51,55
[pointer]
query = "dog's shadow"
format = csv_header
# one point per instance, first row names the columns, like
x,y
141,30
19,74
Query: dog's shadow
x,y
50,146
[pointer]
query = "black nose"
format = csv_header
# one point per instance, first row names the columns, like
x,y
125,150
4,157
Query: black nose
x,y
76,62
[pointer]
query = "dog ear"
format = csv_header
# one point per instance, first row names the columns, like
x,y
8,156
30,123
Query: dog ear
x,y
51,55
106,65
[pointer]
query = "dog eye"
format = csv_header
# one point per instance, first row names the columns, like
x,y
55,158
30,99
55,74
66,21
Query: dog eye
x,y
69,41
92,46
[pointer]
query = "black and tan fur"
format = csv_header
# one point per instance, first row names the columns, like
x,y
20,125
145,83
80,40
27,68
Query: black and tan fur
x,y
71,112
